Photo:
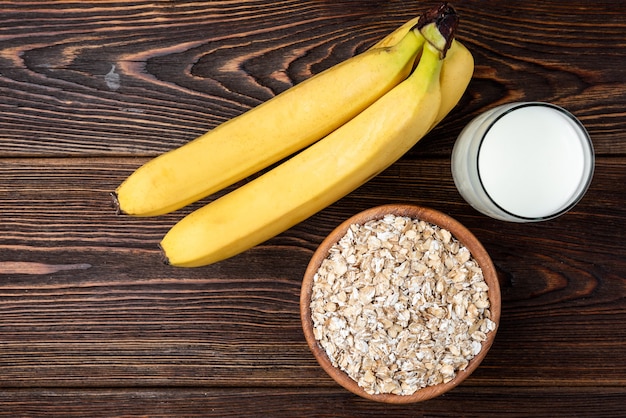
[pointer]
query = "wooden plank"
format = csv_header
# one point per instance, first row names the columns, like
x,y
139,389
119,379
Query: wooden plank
x,y
141,78
86,302
465,400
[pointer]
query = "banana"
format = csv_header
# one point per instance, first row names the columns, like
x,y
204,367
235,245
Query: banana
x,y
456,73
317,176
395,36
268,133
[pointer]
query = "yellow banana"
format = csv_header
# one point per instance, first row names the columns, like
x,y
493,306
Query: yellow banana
x,y
268,133
395,36
314,178
456,73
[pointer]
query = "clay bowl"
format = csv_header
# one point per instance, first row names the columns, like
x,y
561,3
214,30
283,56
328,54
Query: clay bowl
x,y
463,235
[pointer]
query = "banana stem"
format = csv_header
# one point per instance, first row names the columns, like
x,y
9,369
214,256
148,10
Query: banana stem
x,y
429,67
438,26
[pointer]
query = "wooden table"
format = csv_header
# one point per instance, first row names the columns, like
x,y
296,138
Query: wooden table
x,y
93,324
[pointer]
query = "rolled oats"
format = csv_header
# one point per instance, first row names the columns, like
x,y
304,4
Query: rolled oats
x,y
399,304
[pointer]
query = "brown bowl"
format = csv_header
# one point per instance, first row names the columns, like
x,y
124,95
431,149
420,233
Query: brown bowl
x,y
463,235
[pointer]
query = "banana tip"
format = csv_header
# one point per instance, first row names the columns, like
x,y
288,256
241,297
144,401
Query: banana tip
x,y
116,203
164,258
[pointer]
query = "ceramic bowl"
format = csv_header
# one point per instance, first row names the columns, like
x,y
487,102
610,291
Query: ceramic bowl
x,y
463,235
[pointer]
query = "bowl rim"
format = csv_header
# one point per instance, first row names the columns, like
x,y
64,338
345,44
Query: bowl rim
x,y
461,233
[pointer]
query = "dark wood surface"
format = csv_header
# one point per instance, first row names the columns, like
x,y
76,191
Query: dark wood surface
x,y
93,324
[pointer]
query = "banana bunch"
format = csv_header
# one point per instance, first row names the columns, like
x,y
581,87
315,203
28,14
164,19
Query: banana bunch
x,y
354,119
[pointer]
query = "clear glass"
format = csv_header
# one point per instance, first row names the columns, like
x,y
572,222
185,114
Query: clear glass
x,y
523,162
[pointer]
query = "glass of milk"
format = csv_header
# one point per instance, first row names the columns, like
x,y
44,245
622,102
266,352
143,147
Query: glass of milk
x,y
523,162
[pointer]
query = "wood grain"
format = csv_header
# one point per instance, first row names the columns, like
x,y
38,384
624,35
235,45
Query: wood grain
x,y
92,323
102,309
183,68
315,402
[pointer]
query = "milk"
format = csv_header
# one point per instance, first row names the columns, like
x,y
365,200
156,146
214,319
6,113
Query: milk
x,y
523,162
